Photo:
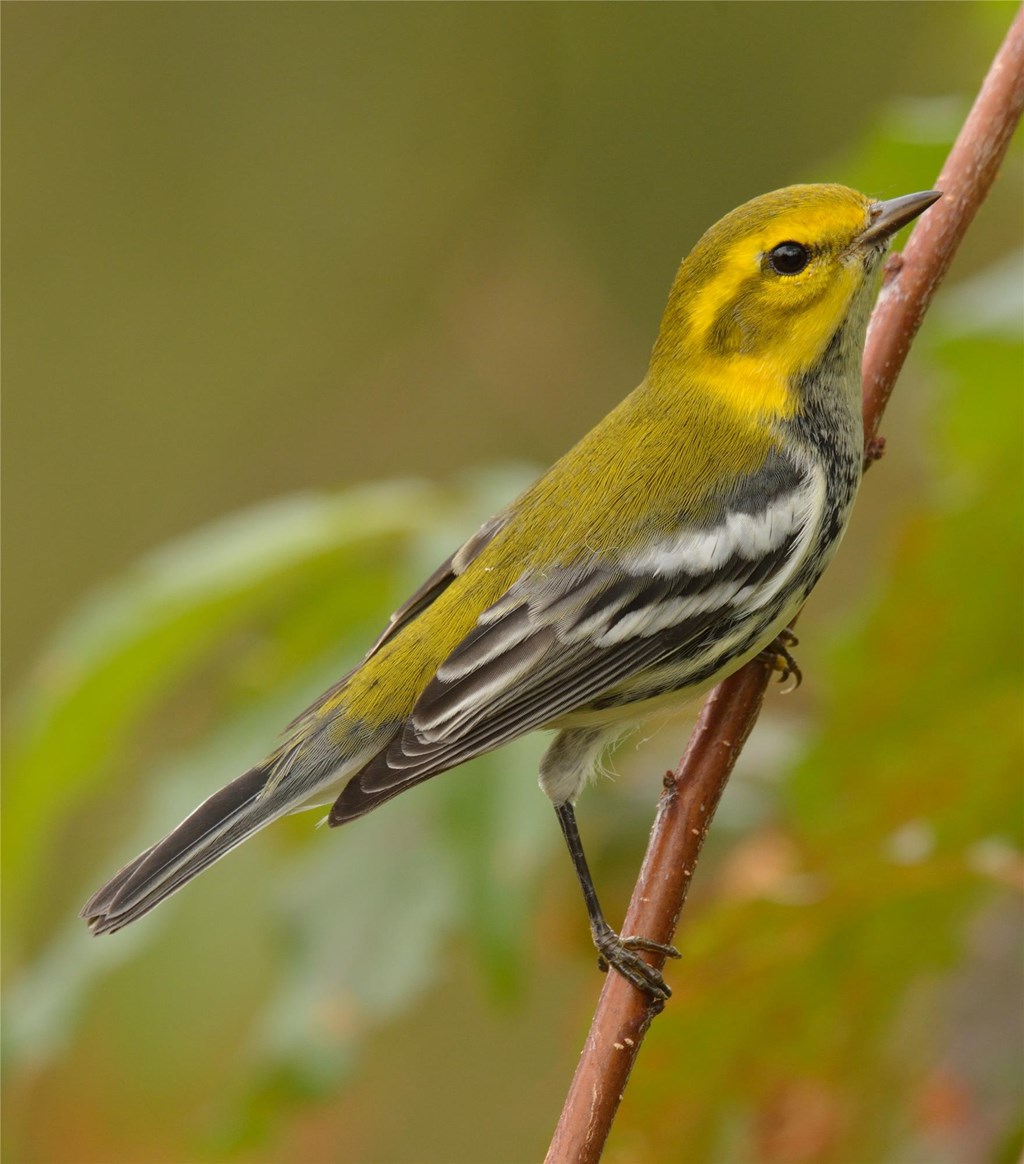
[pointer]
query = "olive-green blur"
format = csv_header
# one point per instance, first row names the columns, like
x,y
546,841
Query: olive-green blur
x,y
294,296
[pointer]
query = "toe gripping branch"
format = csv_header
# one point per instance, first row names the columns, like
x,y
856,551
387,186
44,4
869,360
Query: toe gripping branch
x,y
777,657
619,953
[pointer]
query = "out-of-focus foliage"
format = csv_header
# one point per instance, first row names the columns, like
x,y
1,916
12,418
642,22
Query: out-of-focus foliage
x,y
415,986
322,559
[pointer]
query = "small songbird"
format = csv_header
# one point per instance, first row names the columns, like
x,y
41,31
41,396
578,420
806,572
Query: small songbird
x,y
672,544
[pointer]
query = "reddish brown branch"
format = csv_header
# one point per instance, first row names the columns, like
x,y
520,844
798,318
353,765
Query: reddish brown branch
x,y
685,810
692,792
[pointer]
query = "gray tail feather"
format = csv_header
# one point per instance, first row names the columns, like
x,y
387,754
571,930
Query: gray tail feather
x,y
217,826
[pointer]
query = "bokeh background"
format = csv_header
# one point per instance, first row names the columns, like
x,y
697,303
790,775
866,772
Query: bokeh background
x,y
294,296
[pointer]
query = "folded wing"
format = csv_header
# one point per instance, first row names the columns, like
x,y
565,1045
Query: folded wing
x,y
599,634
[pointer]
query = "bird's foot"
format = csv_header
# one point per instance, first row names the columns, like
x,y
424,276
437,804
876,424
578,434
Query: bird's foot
x,y
777,657
620,954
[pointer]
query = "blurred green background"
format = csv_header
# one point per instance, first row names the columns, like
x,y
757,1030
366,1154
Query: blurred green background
x,y
294,294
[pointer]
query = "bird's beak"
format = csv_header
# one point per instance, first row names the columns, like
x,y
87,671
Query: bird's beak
x,y
888,217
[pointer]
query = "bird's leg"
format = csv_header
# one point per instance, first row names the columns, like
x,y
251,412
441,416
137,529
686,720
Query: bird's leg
x,y
614,951
778,658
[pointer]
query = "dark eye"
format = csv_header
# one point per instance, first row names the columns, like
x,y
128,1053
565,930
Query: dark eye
x,y
789,258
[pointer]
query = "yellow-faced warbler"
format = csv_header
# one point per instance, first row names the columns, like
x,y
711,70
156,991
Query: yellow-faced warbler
x,y
671,545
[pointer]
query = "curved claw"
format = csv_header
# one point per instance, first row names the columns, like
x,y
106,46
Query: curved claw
x,y
777,657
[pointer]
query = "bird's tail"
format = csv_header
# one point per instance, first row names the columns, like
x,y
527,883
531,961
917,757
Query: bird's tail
x,y
213,829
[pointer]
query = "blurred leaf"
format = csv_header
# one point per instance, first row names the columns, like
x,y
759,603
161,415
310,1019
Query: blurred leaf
x,y
134,639
497,831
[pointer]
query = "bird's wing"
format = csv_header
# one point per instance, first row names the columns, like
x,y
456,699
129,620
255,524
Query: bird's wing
x,y
440,580
574,638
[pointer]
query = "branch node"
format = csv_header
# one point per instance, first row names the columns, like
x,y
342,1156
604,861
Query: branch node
x,y
893,266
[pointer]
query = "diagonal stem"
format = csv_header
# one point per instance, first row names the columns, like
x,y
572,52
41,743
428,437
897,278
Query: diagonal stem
x,y
692,792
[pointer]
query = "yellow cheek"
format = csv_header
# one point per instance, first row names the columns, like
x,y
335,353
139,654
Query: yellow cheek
x,y
793,343
802,336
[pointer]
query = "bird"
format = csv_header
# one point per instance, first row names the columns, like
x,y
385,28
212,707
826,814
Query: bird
x,y
673,543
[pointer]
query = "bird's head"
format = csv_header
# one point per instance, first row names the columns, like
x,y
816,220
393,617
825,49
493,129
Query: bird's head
x,y
762,293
